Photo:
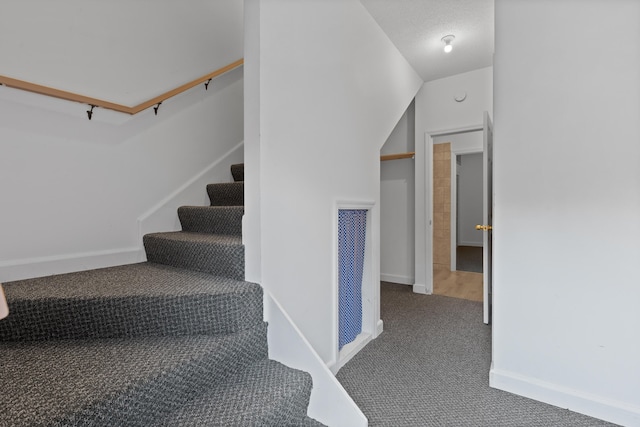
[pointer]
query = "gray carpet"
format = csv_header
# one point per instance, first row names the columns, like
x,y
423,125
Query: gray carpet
x,y
176,341
431,368
469,258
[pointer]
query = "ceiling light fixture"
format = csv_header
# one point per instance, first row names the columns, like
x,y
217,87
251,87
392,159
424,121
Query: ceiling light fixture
x,y
447,42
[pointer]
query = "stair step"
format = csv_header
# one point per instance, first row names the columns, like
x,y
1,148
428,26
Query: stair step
x,y
226,194
116,382
237,171
266,393
143,299
209,253
226,220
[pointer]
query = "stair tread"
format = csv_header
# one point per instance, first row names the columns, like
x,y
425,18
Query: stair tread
x,y
176,341
130,300
265,393
132,381
196,237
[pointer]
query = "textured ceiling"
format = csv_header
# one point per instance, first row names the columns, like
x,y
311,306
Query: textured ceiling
x,y
416,27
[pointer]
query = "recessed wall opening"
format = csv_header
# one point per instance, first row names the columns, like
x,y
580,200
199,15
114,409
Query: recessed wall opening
x,y
354,271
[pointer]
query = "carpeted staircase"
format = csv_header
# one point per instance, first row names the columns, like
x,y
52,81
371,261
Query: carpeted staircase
x,y
178,340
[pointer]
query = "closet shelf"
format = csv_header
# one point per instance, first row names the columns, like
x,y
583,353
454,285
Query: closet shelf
x,y
397,156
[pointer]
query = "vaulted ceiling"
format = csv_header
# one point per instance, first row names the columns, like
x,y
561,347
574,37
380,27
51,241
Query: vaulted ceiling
x,y
416,27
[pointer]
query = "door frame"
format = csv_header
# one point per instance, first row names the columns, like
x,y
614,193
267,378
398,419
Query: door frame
x,y
424,206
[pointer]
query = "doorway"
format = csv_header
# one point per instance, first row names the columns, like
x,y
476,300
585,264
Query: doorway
x,y
457,171
466,248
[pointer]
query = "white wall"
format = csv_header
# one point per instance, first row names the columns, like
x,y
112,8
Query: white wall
x,y
469,200
397,242
251,233
73,190
332,88
567,204
122,51
437,112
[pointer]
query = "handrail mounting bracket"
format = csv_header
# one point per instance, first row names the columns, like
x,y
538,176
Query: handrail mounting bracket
x,y
90,112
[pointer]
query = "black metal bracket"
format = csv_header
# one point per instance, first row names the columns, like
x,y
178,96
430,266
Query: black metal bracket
x,y
90,112
206,85
155,109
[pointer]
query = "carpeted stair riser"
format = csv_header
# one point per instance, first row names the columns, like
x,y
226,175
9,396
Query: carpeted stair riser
x,y
209,253
266,393
237,171
176,341
143,299
226,194
226,220
117,382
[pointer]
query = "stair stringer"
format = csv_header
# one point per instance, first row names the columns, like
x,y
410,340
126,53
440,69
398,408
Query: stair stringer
x,y
330,403
163,217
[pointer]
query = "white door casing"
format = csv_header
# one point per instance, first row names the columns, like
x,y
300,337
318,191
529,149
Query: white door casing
x,y
487,216
424,207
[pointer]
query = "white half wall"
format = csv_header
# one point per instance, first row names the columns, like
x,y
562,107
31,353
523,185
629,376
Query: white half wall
x,y
332,88
567,204
397,241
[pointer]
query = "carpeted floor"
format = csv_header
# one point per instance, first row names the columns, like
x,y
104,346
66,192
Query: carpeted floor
x,y
430,367
469,258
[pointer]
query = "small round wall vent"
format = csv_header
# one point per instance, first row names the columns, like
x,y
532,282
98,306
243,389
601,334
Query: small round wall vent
x,y
459,97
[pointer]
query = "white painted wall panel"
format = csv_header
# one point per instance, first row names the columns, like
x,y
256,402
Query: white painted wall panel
x,y
567,203
332,88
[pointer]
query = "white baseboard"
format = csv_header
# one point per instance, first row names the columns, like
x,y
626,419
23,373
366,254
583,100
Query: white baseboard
x,y
350,350
419,289
379,327
67,263
584,403
394,278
